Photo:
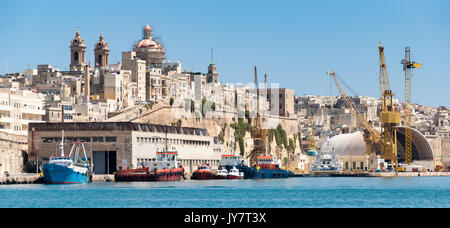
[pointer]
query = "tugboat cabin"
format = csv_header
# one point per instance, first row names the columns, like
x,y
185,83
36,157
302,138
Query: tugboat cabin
x,y
267,162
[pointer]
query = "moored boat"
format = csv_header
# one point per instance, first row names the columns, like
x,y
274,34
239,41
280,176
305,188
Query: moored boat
x,y
235,174
267,167
71,169
222,173
166,167
230,161
203,172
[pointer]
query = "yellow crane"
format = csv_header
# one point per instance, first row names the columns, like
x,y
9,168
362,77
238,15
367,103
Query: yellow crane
x,y
372,137
390,117
408,65
259,134
386,140
311,141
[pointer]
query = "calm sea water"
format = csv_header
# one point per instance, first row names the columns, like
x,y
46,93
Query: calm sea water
x,y
274,193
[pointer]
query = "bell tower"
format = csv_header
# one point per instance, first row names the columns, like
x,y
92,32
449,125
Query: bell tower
x,y
212,76
101,52
77,53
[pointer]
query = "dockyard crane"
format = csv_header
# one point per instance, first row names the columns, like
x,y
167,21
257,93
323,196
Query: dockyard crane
x,y
390,117
259,134
372,137
408,65
386,140
311,141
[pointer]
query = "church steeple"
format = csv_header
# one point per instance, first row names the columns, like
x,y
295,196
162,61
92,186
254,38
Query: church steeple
x,y
101,52
212,76
77,53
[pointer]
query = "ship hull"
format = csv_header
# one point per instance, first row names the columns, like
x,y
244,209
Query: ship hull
x,y
254,173
159,175
56,174
134,177
233,177
220,177
202,175
169,175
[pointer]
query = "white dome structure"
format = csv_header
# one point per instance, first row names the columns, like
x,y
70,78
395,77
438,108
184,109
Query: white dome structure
x,y
353,145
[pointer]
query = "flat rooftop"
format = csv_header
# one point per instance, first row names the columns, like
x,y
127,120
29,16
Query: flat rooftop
x,y
117,126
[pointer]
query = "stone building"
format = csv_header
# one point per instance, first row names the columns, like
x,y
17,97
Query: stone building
x,y
18,108
138,74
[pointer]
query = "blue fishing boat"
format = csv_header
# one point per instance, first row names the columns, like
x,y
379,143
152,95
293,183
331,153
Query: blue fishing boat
x,y
72,169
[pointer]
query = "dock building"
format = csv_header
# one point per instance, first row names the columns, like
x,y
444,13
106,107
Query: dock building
x,y
111,145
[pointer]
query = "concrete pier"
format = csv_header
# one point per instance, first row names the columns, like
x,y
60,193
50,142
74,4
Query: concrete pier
x,y
102,178
26,178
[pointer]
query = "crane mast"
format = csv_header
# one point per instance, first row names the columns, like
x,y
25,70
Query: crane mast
x,y
259,134
311,143
390,117
408,65
371,136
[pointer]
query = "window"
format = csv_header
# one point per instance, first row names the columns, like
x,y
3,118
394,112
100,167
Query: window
x,y
97,139
84,139
110,139
49,140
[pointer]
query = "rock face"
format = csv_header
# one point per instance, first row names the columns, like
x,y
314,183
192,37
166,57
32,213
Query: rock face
x,y
163,113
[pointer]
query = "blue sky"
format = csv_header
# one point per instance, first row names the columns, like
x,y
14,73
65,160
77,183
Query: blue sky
x,y
294,42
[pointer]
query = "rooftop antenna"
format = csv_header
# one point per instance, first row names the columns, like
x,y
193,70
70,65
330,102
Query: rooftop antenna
x,y
212,55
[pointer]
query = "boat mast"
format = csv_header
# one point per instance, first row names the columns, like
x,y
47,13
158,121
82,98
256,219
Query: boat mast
x,y
61,147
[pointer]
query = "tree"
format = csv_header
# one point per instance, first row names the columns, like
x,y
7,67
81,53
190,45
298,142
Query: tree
x,y
285,161
291,145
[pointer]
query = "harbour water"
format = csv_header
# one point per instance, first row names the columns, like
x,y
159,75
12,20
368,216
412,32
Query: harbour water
x,y
270,193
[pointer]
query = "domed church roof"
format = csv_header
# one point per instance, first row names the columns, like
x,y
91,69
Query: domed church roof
x,y
147,41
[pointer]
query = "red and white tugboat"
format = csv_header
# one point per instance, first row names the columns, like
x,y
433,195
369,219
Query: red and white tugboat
x,y
222,173
166,167
203,172
235,173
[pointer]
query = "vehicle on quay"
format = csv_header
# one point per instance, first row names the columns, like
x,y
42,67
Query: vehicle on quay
x,y
203,172
71,169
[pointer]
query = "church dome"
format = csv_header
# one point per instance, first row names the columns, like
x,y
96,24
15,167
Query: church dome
x,y
150,49
147,41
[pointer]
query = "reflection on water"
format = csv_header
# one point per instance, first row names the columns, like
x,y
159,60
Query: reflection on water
x,y
272,193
